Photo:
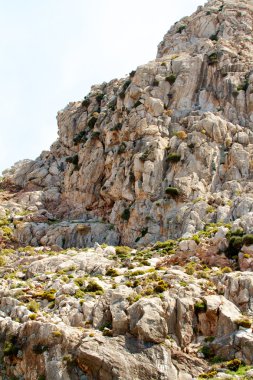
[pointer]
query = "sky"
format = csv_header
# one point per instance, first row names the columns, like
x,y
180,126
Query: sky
x,y
52,51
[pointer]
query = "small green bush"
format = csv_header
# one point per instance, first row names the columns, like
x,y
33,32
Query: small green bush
x,y
95,135
124,88
248,239
214,37
10,347
244,322
33,306
39,349
174,157
93,287
122,250
161,286
171,79
32,316
213,58
117,127
235,245
234,364
86,102
73,159
112,272
80,137
122,148
172,191
208,375
99,98
2,261
92,121
181,28
125,214
79,294
137,272
200,307
207,352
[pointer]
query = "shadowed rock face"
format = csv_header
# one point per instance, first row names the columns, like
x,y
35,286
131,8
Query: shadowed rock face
x,y
183,121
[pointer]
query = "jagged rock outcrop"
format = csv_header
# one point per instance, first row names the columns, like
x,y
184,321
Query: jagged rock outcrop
x,y
183,121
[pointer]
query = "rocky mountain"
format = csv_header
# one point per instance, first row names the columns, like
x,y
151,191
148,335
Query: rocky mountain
x,y
127,249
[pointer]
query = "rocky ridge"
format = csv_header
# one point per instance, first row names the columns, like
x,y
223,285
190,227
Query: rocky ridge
x,y
160,161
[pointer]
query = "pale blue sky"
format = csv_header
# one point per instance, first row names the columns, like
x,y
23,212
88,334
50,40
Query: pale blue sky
x,y
52,51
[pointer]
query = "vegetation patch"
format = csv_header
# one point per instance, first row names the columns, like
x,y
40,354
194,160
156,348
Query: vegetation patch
x,y
174,157
126,214
171,79
172,191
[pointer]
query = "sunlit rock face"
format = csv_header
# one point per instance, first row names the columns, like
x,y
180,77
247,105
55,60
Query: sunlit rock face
x,y
183,121
126,251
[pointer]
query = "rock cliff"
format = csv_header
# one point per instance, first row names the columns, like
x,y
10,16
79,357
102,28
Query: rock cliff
x,y
162,162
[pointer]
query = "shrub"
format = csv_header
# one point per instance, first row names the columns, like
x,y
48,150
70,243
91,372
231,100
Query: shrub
x,y
79,281
164,244
39,349
226,270
117,127
172,191
155,83
214,37
95,135
200,307
99,98
124,88
33,306
132,73
73,159
137,272
248,239
86,102
196,238
174,157
234,364
213,58
93,287
2,261
208,375
243,86
182,135
92,121
107,332
171,79
181,28
80,137
10,347
161,286
235,245
122,148
122,250
207,352
112,272
244,322
49,295
32,316
57,333
126,214
79,294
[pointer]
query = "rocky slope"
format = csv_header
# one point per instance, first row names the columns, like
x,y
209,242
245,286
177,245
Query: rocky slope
x,y
162,155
